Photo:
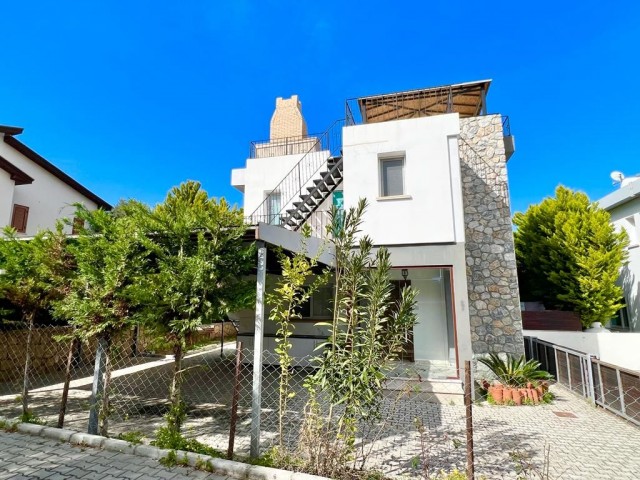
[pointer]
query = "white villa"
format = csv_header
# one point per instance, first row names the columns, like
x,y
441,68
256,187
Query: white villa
x,y
624,206
432,165
34,193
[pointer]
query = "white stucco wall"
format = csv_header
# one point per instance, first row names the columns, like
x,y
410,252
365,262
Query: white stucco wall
x,y
262,175
48,198
617,348
431,209
627,217
6,198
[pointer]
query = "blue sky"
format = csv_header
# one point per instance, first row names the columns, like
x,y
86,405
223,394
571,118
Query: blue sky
x,y
131,98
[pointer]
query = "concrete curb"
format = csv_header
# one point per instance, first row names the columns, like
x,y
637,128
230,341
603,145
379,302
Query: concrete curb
x,y
219,466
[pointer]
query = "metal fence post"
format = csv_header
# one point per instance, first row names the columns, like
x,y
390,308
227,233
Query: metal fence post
x,y
469,415
97,389
590,382
234,401
602,399
566,356
256,399
623,407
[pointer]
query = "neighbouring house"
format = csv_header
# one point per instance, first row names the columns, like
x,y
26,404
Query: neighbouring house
x,y
432,165
623,205
34,193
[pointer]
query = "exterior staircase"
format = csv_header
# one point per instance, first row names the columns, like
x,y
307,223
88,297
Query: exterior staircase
x,y
307,185
323,186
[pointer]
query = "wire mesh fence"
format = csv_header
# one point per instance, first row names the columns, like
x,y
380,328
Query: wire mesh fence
x,y
612,387
421,429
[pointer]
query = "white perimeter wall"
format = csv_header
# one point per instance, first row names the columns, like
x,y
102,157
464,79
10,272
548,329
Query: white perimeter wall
x,y
48,198
432,210
618,348
6,198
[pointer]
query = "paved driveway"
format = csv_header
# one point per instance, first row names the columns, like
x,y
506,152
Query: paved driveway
x,y
24,456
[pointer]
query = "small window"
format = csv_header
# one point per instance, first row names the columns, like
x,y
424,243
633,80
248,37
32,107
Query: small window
x,y
319,304
19,218
78,225
392,176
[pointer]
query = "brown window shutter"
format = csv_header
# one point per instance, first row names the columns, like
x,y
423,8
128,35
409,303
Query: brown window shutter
x,y
19,219
78,225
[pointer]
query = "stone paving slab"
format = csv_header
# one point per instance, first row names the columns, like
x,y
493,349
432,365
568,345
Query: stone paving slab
x,y
27,457
591,443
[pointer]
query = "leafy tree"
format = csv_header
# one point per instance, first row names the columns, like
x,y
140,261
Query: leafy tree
x,y
367,332
569,256
33,274
196,277
109,261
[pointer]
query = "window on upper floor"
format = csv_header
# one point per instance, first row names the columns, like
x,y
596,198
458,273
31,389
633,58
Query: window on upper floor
x,y
19,218
392,176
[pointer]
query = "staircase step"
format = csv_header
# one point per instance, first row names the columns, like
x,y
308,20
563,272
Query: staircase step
x,y
294,213
303,207
292,222
321,184
318,191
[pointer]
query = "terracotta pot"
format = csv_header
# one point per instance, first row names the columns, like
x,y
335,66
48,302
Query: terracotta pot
x,y
517,398
507,394
498,393
533,394
529,385
540,391
524,394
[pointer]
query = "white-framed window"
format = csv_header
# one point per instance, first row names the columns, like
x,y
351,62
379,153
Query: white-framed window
x,y
392,176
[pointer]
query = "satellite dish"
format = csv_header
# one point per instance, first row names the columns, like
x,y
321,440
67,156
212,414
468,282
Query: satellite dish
x,y
616,176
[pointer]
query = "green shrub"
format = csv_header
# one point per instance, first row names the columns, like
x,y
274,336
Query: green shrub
x,y
169,438
515,371
134,438
29,417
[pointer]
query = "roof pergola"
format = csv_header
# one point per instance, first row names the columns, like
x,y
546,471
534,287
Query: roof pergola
x,y
466,99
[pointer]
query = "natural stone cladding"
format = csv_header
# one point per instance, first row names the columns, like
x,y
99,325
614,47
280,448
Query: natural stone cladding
x,y
494,302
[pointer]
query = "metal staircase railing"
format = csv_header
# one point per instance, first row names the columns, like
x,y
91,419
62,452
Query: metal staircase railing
x,y
302,175
323,186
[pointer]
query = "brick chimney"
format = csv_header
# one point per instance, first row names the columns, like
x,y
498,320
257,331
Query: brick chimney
x,y
287,119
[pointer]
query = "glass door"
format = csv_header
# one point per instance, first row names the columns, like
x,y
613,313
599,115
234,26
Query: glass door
x,y
274,205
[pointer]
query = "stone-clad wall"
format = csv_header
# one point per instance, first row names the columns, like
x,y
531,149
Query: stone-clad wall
x,y
494,302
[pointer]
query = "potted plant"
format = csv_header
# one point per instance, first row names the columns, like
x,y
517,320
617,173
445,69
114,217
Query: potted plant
x,y
520,380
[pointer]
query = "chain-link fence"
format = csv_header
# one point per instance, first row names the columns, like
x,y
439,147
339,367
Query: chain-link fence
x,y
422,427
612,387
140,378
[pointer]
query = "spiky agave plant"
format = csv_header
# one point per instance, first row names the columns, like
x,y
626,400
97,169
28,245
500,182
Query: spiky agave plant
x,y
515,371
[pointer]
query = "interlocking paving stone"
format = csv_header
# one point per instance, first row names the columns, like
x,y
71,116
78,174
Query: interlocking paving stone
x,y
21,457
